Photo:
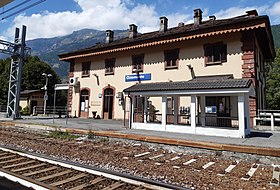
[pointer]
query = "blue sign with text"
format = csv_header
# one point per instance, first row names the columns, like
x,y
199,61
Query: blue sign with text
x,y
138,77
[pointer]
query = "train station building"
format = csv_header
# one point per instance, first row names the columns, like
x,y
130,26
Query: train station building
x,y
207,77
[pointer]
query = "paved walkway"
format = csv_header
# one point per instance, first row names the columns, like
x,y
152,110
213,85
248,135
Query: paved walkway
x,y
258,139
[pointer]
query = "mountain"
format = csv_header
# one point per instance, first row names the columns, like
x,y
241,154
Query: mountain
x,y
276,35
47,49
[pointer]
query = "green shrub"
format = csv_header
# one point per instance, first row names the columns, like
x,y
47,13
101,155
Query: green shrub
x,y
25,111
62,135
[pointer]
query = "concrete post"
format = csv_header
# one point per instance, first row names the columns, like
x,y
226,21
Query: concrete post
x,y
132,111
164,111
241,113
193,113
272,121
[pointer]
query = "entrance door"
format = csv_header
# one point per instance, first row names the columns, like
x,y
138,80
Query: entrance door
x,y
84,102
108,103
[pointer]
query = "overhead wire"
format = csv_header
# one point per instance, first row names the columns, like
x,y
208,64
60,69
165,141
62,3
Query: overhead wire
x,y
14,7
23,9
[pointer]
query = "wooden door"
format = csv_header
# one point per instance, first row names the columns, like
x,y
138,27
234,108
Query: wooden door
x,y
108,103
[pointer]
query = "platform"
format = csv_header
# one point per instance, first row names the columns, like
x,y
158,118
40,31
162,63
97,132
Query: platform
x,y
260,142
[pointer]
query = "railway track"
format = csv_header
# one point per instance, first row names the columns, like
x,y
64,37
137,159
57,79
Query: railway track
x,y
48,173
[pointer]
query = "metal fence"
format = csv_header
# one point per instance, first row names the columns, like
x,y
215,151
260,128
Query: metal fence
x,y
267,120
59,110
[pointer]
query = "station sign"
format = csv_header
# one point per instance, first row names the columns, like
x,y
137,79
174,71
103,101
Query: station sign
x,y
138,77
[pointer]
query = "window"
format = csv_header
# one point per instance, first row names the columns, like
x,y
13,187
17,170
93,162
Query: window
x,y
218,104
85,69
215,53
171,59
137,63
109,66
170,105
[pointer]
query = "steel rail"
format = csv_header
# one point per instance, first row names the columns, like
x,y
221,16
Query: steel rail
x,y
26,181
134,180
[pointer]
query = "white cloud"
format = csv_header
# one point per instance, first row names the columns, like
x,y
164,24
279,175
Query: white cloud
x,y
115,14
237,11
275,10
95,14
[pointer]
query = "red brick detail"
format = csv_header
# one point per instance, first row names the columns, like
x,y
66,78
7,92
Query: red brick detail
x,y
70,93
248,56
248,64
248,67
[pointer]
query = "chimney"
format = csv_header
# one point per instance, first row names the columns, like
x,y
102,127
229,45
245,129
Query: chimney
x,y
252,13
212,18
109,36
163,24
197,16
132,31
180,24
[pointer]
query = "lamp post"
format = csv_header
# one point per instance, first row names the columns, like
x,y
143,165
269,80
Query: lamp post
x,y
46,91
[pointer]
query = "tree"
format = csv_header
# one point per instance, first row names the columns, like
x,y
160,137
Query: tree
x,y
273,83
32,78
4,80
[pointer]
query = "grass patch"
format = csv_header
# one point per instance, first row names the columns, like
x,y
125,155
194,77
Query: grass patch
x,y
62,135
91,135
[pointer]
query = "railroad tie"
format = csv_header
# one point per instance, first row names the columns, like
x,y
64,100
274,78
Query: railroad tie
x,y
251,172
73,178
19,164
92,182
54,175
114,186
139,188
29,167
9,156
189,162
155,157
4,154
208,165
175,158
142,154
40,171
13,160
118,150
229,168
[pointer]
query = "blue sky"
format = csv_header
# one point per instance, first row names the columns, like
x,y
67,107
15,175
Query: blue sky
x,y
60,17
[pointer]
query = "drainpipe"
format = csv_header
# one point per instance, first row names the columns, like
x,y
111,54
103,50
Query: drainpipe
x,y
129,124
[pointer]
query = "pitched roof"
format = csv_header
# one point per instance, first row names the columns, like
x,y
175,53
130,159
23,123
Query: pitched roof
x,y
180,33
193,84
